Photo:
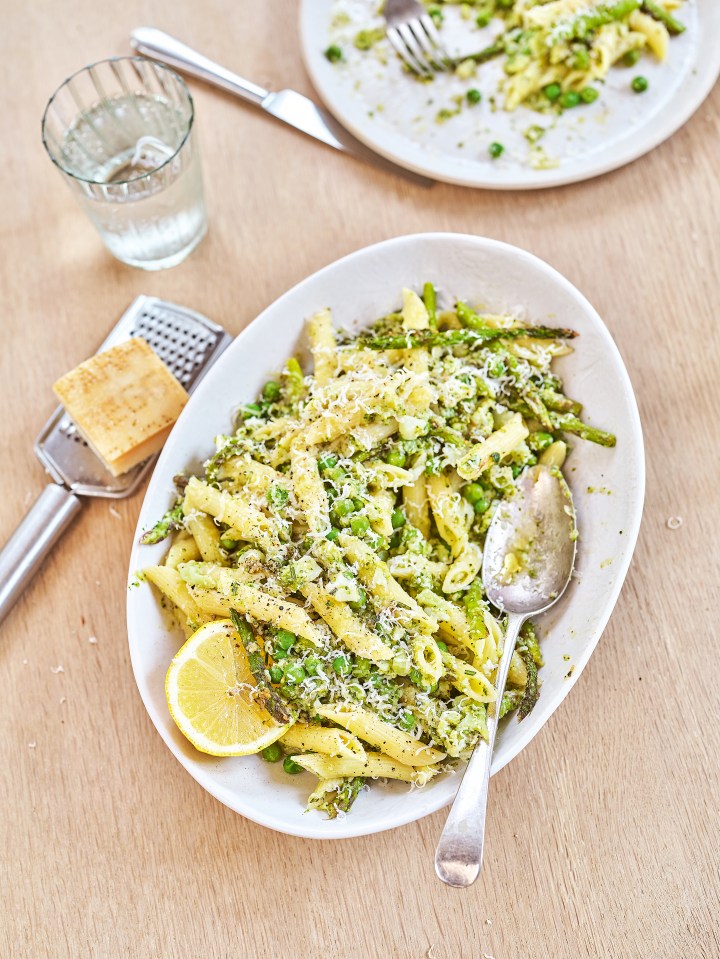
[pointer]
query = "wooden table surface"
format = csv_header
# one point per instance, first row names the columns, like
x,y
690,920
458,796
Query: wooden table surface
x,y
108,847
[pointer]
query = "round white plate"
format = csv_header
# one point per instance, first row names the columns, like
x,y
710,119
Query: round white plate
x,y
359,288
395,115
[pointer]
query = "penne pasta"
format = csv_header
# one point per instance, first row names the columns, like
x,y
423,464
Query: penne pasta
x,y
391,741
321,739
374,766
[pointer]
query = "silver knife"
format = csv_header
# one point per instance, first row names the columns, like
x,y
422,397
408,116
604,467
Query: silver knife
x,y
286,105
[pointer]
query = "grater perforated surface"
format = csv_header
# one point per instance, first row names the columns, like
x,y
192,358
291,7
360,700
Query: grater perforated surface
x,y
185,341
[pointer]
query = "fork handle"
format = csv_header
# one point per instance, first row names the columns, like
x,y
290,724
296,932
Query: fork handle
x,y
459,852
23,554
159,45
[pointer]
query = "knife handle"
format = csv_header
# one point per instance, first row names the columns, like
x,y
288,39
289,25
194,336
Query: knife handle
x,y
161,46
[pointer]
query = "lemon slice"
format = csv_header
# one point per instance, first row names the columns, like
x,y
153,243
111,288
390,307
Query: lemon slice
x,y
211,695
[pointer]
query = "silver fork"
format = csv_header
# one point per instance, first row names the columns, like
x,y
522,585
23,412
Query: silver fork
x,y
411,31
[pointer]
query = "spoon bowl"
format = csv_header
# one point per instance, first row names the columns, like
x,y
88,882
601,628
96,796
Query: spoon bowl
x,y
535,528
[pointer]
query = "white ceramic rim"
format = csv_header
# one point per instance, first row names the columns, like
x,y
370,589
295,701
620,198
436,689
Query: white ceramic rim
x,y
396,148
633,430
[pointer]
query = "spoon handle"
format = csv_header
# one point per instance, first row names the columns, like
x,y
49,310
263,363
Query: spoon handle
x,y
459,853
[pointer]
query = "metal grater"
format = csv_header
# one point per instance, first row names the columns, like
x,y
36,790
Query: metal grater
x,y
186,342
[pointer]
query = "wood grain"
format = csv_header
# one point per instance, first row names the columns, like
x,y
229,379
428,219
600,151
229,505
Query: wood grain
x,y
603,832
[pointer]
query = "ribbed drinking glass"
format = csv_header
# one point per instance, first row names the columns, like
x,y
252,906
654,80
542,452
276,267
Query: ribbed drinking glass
x,y
121,133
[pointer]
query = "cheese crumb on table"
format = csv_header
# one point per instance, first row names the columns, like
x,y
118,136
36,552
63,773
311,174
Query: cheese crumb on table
x,y
124,402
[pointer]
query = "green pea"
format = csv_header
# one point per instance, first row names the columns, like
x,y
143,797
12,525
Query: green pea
x,y
516,470
441,645
504,4
589,94
416,676
276,674
336,474
294,673
397,519
396,457
358,503
285,638
552,91
277,496
333,535
482,19
473,96
227,543
344,507
291,767
473,492
251,409
312,665
327,461
341,665
406,721
333,53
272,753
271,391
570,99
481,506
631,57
362,668
279,653
496,150
640,84
540,440
359,525
360,602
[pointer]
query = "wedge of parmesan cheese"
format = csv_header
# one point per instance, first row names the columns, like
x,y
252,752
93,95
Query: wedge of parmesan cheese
x,y
124,402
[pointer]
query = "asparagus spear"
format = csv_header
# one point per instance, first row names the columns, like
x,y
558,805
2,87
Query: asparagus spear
x,y
511,700
558,402
414,339
173,519
338,799
659,13
532,689
469,318
529,642
430,301
579,27
487,53
537,407
265,695
571,424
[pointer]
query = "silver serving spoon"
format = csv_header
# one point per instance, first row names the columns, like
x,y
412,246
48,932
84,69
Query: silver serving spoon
x,y
527,562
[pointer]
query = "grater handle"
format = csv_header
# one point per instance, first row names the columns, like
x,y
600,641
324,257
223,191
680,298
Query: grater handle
x,y
23,554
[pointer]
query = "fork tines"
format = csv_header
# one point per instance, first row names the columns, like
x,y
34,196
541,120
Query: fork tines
x,y
418,44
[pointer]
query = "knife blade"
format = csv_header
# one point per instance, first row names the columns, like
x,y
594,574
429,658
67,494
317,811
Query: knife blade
x,y
287,106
